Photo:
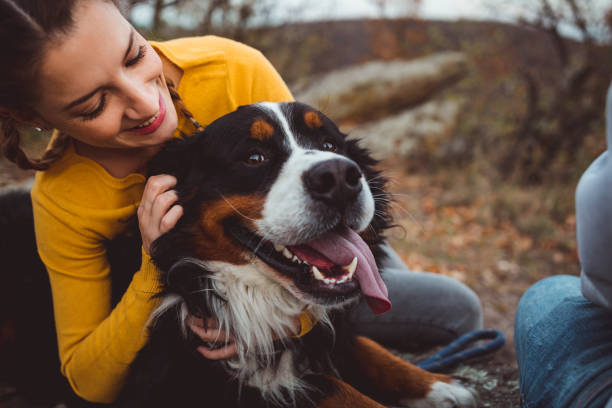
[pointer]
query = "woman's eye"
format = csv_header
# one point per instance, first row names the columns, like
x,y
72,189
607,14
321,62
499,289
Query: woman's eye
x,y
329,146
141,53
97,111
256,158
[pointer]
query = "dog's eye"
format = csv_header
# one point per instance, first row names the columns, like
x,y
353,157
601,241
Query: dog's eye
x,y
329,146
256,158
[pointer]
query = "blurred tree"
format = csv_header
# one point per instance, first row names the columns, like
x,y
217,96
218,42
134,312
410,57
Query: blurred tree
x,y
229,17
398,8
560,109
158,7
233,16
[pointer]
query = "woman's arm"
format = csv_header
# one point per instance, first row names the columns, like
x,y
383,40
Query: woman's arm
x,y
96,342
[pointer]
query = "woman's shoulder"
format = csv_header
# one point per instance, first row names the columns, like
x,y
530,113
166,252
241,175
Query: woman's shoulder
x,y
78,185
188,52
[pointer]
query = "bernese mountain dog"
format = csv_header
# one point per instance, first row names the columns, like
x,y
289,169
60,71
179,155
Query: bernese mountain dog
x,y
283,218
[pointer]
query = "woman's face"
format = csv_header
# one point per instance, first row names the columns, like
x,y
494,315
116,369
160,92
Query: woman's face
x,y
103,84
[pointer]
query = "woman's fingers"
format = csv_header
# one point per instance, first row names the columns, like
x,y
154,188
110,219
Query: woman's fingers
x,y
170,219
155,186
209,332
199,322
157,212
218,354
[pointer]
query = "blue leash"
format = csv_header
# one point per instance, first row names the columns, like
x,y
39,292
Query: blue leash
x,y
456,352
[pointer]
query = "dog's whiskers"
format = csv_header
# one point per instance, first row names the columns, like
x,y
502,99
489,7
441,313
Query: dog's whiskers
x,y
201,291
375,178
261,241
235,209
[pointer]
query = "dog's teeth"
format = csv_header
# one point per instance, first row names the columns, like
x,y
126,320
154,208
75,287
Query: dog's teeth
x,y
287,253
317,273
279,248
350,268
295,259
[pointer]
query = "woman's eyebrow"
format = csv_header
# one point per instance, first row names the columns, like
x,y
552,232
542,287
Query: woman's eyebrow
x,y
95,91
82,99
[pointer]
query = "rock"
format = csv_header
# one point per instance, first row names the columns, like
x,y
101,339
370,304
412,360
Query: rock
x,y
365,91
406,133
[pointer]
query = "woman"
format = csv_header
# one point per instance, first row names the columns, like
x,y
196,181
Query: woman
x,y
79,67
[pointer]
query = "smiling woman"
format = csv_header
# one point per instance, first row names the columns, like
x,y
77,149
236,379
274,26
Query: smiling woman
x,y
122,101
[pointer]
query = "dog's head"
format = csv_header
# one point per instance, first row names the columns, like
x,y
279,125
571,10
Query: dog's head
x,y
275,193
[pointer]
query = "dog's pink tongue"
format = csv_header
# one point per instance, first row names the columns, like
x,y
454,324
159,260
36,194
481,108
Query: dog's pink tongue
x,y
341,247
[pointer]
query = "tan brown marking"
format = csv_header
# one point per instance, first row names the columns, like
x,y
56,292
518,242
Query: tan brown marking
x,y
313,120
392,375
212,244
261,130
346,396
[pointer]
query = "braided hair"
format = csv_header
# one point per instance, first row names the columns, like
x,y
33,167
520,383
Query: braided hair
x,y
179,104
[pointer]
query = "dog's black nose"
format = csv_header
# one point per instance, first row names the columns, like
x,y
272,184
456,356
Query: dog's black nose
x,y
334,182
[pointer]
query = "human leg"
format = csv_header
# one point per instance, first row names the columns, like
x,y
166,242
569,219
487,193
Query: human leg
x,y
563,346
428,309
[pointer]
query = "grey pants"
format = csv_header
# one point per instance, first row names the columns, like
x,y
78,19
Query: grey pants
x,y
428,309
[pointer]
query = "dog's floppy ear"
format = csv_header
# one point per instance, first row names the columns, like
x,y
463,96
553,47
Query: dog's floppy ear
x,y
177,156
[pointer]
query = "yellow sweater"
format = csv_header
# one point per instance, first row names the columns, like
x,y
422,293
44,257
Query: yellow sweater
x,y
78,206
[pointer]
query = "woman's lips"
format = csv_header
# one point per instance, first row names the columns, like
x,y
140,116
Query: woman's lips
x,y
161,114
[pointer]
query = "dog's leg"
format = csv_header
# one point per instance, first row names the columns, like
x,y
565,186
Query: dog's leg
x,y
389,376
343,395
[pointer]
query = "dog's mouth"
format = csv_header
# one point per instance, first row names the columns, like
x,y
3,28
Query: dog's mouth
x,y
331,268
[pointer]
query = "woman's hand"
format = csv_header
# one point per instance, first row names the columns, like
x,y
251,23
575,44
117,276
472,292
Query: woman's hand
x,y
157,212
210,332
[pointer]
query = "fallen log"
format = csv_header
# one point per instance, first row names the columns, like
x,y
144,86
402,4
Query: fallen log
x,y
421,129
375,89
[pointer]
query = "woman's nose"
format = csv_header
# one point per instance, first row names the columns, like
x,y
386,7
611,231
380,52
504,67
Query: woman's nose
x,y
142,100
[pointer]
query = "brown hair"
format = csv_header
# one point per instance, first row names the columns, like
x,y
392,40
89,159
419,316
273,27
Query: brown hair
x,y
179,104
26,27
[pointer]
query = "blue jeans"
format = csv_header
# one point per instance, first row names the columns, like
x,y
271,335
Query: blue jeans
x,y
563,347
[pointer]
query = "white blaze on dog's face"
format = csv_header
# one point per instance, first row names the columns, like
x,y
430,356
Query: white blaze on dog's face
x,y
293,213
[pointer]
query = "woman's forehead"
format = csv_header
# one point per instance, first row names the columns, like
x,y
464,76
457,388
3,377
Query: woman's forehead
x,y
87,55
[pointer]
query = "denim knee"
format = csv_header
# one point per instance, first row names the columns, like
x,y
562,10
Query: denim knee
x,y
563,343
541,298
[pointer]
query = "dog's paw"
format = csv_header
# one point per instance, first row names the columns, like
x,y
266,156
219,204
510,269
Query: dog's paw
x,y
443,395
